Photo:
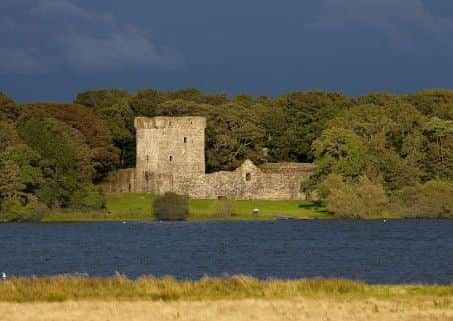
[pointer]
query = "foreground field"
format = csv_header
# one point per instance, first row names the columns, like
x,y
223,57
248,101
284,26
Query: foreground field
x,y
228,310
134,206
238,298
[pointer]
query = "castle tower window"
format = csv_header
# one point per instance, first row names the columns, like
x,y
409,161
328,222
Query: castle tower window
x,y
248,177
185,140
171,158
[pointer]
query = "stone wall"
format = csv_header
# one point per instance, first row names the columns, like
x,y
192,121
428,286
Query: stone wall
x,y
251,182
170,157
246,182
169,149
120,181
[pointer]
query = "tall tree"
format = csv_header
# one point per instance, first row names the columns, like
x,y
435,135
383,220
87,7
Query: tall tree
x,y
9,110
301,118
105,156
66,159
20,174
114,107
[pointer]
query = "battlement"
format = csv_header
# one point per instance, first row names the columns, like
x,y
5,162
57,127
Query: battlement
x,y
161,122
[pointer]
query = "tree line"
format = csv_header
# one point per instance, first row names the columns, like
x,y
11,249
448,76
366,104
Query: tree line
x,y
377,154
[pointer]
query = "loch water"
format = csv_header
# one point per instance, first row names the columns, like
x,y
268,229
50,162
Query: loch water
x,y
396,251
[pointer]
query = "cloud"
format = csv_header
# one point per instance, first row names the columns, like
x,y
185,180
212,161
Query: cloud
x,y
129,46
73,38
402,23
19,61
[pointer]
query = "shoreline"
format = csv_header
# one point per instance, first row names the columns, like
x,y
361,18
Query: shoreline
x,y
216,220
71,219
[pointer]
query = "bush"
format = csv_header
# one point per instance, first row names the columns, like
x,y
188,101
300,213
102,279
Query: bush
x,y
171,207
350,199
89,198
12,210
53,196
224,207
430,200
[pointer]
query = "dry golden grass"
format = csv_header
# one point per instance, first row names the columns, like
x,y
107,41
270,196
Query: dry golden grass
x,y
238,298
335,309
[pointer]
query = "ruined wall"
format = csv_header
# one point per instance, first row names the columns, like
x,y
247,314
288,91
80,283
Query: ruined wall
x,y
120,181
251,182
170,157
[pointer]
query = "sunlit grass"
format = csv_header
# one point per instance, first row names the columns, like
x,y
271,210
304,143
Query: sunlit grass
x,y
135,206
54,289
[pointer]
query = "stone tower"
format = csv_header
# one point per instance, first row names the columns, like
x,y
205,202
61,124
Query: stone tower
x,y
170,152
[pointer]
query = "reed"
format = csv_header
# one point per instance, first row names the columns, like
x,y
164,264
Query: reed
x,y
120,288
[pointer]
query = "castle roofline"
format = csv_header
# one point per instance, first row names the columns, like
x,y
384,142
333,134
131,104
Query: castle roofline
x,y
169,121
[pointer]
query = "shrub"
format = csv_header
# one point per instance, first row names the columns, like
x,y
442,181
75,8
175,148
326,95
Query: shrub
x,y
224,207
353,199
89,198
430,200
53,196
12,210
171,207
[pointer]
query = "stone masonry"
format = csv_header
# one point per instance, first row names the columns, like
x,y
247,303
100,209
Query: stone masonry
x,y
170,157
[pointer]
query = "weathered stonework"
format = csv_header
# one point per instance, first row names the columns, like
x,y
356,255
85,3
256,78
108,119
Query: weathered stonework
x,y
170,157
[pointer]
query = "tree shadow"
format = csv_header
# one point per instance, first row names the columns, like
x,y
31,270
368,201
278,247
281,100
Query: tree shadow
x,y
313,204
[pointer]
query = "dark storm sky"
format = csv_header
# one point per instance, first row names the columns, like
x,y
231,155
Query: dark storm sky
x,y
52,49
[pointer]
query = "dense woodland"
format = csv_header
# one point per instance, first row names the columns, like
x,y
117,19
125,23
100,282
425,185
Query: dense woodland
x,y
378,154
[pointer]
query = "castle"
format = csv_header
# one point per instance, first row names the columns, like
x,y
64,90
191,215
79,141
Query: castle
x,y
171,157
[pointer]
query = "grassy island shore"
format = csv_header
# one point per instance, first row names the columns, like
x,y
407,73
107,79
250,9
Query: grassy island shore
x,y
135,206
236,298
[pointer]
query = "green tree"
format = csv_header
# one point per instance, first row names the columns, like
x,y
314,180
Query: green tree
x,y
8,135
440,134
105,156
302,116
144,102
379,99
340,151
114,107
20,177
433,103
20,174
65,158
197,96
9,110
386,132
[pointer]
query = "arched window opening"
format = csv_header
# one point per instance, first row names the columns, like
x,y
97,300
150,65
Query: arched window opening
x,y
171,158
185,140
248,176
